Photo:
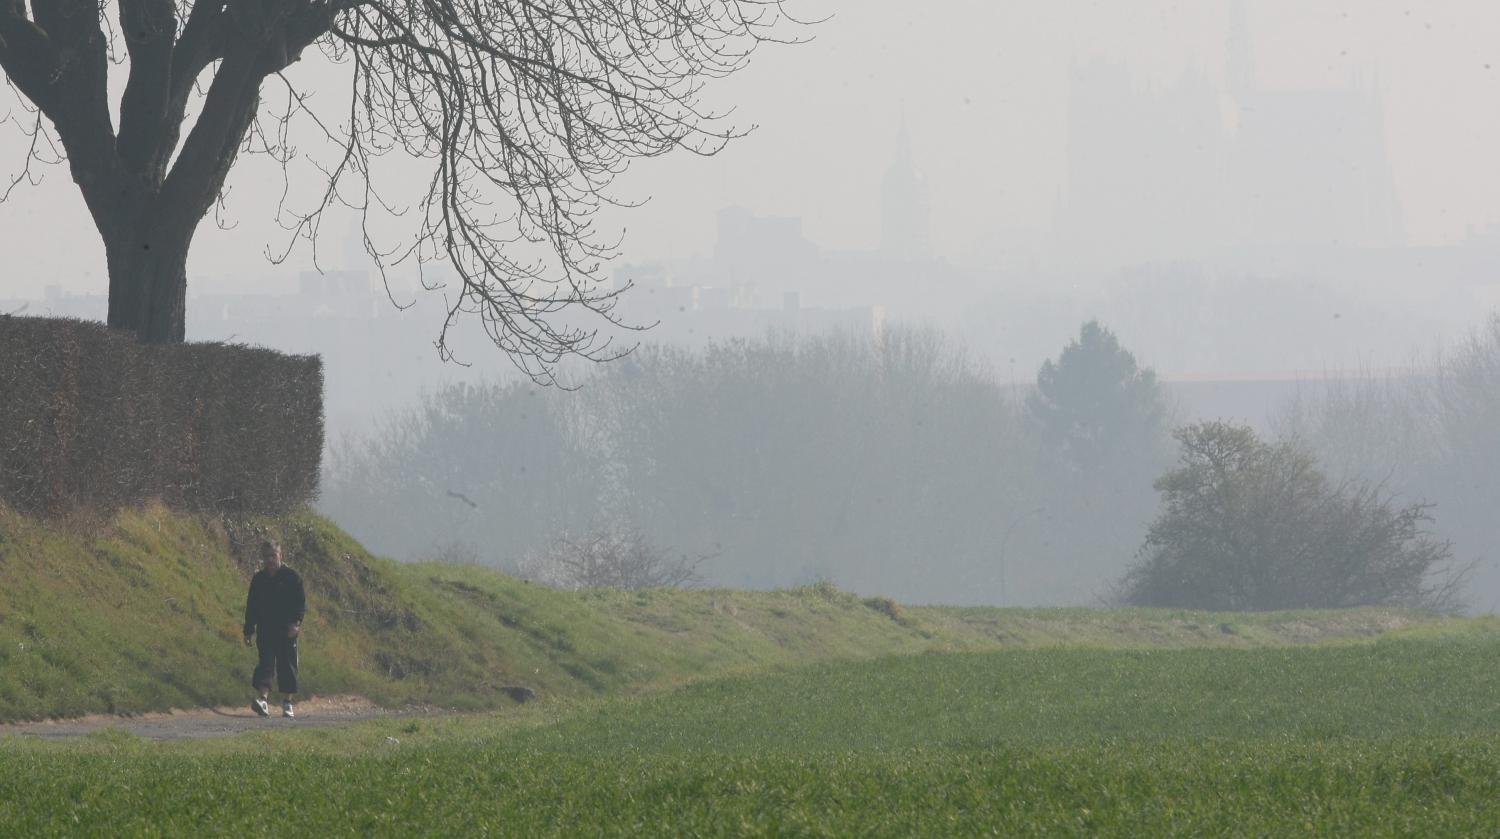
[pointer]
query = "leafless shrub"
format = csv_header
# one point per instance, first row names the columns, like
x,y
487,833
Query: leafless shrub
x,y
614,557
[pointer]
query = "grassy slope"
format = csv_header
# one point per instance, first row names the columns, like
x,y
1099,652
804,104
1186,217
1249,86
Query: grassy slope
x,y
142,612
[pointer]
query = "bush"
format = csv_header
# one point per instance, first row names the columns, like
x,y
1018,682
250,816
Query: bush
x,y
1251,525
614,557
888,607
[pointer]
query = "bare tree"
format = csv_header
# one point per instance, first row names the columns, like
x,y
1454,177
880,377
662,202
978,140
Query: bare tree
x,y
524,111
616,557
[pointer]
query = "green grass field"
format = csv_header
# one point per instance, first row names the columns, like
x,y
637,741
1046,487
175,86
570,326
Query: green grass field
x,y
1393,737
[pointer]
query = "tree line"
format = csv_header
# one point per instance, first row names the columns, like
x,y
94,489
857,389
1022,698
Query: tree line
x,y
891,464
1429,435
896,464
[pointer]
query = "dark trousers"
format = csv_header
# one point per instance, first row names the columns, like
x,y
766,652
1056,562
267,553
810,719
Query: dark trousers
x,y
278,654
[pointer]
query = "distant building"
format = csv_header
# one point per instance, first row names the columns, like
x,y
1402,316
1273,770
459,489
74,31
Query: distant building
x,y
905,206
765,274
765,256
1197,169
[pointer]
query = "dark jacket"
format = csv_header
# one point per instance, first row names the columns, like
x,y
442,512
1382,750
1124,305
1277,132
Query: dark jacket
x,y
276,601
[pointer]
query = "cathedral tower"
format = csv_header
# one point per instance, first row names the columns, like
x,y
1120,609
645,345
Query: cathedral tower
x,y
905,209
1241,53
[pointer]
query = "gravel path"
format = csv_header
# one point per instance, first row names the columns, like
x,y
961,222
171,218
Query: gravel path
x,y
213,722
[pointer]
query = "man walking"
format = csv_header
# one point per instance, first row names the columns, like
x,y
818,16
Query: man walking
x,y
273,618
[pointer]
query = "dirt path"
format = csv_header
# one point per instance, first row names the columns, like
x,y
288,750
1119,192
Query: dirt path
x,y
213,722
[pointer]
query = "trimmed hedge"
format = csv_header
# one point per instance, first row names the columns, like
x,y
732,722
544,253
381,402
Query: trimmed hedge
x,y
89,417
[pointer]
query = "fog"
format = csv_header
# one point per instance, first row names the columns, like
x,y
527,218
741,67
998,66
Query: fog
x,y
1283,210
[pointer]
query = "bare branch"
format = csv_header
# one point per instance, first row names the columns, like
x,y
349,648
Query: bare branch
x,y
523,111
616,557
526,112
40,149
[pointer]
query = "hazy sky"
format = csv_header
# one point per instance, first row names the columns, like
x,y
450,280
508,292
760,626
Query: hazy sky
x,y
983,86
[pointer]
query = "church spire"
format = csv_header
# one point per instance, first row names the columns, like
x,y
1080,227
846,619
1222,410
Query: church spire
x,y
903,142
1241,52
904,217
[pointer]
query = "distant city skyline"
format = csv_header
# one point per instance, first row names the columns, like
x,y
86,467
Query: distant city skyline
x,y
1228,173
984,88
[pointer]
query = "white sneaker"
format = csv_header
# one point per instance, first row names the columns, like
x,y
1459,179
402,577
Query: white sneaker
x,y
286,710
260,707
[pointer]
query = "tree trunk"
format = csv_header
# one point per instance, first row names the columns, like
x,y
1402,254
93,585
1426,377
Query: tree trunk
x,y
148,227
148,283
146,186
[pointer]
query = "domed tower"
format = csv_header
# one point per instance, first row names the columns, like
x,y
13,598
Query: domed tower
x,y
905,211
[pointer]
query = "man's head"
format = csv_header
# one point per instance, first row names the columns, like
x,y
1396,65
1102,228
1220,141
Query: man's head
x,y
270,554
